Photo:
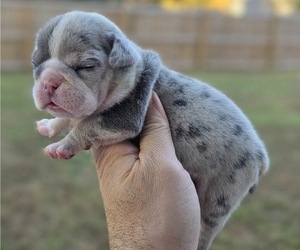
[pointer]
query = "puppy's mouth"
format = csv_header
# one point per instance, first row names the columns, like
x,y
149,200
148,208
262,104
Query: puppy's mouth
x,y
52,107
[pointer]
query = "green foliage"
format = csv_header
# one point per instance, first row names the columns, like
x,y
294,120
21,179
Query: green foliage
x,y
297,2
52,204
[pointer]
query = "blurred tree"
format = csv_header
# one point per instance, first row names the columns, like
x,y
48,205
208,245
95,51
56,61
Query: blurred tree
x,y
297,4
285,7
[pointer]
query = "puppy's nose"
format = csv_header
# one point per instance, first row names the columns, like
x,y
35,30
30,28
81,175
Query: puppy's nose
x,y
50,80
49,86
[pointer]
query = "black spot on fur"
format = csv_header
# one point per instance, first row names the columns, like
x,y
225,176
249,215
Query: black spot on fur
x,y
223,118
194,131
179,131
210,221
204,94
222,209
222,201
179,103
242,161
232,177
202,147
179,90
237,130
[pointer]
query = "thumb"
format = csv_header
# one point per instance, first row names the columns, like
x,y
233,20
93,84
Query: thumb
x,y
156,140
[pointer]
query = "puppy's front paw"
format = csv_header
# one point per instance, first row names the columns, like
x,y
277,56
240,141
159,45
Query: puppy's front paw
x,y
44,127
61,150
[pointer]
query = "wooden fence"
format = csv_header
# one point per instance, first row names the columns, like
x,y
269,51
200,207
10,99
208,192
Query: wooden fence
x,y
185,40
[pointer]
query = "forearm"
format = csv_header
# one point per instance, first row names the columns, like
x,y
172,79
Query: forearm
x,y
155,230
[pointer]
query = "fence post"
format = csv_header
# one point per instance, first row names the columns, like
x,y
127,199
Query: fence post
x,y
127,20
271,43
201,46
27,15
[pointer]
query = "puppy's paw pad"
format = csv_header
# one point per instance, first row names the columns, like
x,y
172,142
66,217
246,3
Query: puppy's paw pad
x,y
44,127
50,150
59,150
64,155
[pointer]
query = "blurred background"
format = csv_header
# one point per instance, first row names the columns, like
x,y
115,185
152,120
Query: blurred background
x,y
249,49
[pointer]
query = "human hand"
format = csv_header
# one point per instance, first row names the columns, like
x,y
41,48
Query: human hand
x,y
150,201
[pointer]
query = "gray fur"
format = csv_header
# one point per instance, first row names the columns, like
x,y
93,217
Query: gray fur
x,y
84,64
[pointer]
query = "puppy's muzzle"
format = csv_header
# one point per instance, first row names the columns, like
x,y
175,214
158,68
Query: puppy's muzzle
x,y
50,80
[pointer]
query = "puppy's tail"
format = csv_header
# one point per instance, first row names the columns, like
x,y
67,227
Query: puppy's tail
x,y
264,163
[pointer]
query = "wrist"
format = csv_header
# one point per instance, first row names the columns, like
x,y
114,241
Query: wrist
x,y
127,237
147,237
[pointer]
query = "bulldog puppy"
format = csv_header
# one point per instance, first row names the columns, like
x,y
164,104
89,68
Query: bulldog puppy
x,y
98,84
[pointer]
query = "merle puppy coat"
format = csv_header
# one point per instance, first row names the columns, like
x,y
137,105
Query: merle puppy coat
x,y
98,84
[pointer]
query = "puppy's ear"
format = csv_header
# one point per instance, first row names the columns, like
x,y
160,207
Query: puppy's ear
x,y
122,53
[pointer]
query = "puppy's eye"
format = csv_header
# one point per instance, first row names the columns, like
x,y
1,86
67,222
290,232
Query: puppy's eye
x,y
88,67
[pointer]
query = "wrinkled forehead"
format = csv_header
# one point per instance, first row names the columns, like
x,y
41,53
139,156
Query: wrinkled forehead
x,y
73,32
75,35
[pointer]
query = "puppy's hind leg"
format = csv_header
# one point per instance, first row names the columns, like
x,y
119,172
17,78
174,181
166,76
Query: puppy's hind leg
x,y
213,218
219,201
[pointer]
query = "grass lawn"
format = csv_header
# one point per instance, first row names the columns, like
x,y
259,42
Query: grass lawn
x,y
51,204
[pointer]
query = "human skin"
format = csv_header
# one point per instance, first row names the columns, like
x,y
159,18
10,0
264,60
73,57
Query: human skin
x,y
149,199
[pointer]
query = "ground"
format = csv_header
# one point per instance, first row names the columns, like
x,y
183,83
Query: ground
x,y
55,204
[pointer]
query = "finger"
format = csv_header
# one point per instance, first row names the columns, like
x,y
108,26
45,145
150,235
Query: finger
x,y
157,108
156,140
